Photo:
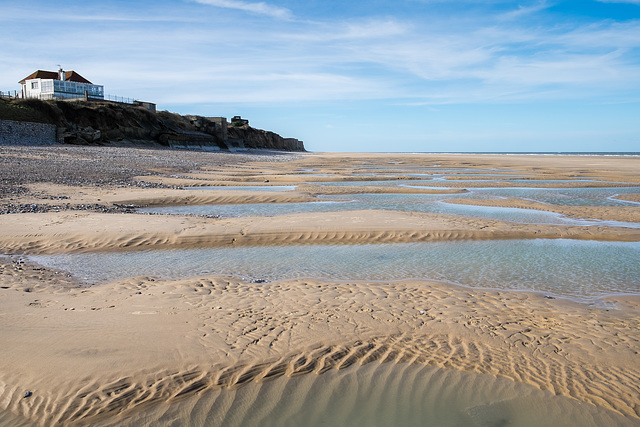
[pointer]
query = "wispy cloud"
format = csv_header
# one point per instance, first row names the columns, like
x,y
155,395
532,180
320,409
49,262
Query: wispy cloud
x,y
523,11
288,60
260,8
348,31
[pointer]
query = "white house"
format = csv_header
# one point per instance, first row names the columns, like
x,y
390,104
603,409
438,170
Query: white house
x,y
61,84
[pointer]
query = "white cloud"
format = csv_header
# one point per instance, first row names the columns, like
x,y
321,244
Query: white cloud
x,y
571,70
371,29
260,8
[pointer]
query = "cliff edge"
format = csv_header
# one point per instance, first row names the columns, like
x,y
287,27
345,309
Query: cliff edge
x,y
110,123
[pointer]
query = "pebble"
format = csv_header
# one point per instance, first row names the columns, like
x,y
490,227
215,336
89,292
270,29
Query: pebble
x,y
11,208
101,166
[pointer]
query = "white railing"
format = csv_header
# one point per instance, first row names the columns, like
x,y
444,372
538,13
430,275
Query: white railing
x,y
120,99
49,96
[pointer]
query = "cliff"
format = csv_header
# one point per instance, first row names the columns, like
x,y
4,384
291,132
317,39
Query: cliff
x,y
109,123
258,138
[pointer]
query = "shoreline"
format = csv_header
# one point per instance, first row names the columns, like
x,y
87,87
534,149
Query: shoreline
x,y
102,354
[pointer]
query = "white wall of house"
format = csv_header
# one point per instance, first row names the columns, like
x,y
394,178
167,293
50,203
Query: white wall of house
x,y
34,88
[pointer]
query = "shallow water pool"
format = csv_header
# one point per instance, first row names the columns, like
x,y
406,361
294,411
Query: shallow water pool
x,y
430,203
571,268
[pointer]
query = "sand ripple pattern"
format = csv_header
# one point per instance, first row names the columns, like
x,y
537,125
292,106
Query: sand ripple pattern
x,y
606,388
502,334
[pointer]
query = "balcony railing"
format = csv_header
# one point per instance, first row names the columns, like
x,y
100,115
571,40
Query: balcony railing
x,y
121,99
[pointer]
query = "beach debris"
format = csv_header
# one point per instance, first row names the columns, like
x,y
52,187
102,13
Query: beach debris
x,y
28,394
549,297
423,312
260,281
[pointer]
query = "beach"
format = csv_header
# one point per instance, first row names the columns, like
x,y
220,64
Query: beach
x,y
146,349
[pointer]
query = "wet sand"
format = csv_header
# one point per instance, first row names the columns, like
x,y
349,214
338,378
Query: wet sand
x,y
607,213
107,353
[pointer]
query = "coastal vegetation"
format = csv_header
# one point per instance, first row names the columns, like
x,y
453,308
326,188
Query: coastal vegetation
x,y
21,111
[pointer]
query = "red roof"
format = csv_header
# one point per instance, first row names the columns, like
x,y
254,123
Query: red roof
x,y
70,76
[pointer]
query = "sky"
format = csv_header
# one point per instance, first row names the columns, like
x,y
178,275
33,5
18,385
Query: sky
x,y
357,76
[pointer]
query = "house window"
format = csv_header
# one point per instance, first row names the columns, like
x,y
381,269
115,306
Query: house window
x,y
34,85
47,86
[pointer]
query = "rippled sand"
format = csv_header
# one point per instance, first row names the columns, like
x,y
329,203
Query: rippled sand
x,y
222,351
380,395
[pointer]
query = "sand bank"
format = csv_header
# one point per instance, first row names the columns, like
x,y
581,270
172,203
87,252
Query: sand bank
x,y
80,232
629,197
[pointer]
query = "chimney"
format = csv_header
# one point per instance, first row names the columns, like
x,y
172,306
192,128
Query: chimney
x,y
61,75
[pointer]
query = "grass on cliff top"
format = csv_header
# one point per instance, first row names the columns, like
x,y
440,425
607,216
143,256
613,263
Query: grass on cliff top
x,y
20,112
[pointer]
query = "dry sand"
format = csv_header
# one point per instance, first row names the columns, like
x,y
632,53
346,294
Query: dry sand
x,y
106,353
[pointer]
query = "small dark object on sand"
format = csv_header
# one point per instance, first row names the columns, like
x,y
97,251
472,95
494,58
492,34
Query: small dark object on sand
x,y
549,297
260,281
28,394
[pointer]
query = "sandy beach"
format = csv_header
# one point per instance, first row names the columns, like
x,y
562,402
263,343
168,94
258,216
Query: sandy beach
x,y
131,351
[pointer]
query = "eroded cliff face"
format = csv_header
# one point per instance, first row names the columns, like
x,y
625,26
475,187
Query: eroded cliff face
x,y
107,123
87,123
258,138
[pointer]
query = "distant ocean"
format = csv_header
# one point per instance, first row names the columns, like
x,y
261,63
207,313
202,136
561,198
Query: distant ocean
x,y
547,153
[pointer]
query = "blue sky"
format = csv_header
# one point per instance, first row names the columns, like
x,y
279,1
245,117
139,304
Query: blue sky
x,y
380,75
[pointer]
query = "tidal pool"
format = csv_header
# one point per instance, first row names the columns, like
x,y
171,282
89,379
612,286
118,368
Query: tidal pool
x,y
582,270
431,203
601,196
